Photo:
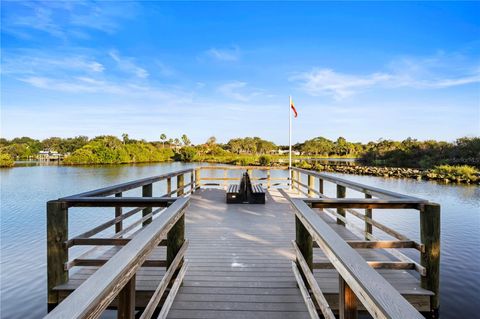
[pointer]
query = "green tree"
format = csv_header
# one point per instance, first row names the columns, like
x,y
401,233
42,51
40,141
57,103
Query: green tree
x,y
163,138
185,140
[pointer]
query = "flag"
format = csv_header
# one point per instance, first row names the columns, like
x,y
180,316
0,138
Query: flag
x,y
295,114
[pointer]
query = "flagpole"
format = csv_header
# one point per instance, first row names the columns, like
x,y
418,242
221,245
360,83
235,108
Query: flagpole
x,y
290,141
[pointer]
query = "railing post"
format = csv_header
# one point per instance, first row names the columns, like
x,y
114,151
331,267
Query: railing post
x,y
430,258
320,185
57,251
197,178
169,186
269,182
225,178
126,300
147,191
175,239
368,225
341,192
347,304
180,184
118,213
304,241
192,184
311,185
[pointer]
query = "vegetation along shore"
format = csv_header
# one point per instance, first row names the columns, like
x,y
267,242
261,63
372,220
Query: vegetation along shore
x,y
458,161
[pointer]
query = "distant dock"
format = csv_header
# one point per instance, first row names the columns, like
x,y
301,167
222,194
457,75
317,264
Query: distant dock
x,y
188,254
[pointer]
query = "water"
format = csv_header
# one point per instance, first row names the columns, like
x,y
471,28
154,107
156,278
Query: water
x,y
25,190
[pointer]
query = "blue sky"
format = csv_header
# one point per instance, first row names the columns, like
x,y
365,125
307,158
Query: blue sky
x,y
362,70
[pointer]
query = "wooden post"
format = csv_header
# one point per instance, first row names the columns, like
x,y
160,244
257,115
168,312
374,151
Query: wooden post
x,y
169,186
147,191
250,173
311,185
347,304
126,300
320,185
57,251
368,226
118,213
197,178
269,182
180,184
295,177
304,242
192,184
175,239
341,191
225,178
430,258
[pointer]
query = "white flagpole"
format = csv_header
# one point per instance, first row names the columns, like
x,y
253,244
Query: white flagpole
x,y
290,141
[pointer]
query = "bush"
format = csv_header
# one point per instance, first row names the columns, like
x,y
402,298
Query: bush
x,y
186,154
6,160
265,160
456,173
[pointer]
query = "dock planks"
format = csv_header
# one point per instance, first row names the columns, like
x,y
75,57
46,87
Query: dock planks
x,y
240,263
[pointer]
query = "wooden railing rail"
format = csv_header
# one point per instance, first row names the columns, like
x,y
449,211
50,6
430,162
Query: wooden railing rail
x,y
112,190
358,281
370,190
428,246
117,276
252,170
112,196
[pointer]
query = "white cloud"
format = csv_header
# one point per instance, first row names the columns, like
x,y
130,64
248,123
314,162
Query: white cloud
x,y
232,90
436,72
329,82
231,54
65,19
127,65
239,91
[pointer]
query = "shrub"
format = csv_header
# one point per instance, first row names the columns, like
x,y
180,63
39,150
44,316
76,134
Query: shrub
x,y
456,172
265,160
186,154
6,160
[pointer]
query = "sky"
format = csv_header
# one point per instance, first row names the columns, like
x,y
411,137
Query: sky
x,y
361,70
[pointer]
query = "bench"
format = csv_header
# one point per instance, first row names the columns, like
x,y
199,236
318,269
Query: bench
x,y
245,192
257,195
234,195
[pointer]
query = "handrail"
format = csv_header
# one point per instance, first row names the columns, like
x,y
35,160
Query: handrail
x,y
374,191
99,290
110,190
379,298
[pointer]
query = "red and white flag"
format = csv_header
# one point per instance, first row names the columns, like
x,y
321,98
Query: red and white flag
x,y
295,114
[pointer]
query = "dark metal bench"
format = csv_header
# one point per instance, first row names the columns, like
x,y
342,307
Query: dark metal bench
x,y
255,192
234,194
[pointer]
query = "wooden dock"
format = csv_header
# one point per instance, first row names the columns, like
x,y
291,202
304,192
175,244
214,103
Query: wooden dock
x,y
240,257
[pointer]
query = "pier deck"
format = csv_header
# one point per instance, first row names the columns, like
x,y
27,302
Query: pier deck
x,y
195,256
240,263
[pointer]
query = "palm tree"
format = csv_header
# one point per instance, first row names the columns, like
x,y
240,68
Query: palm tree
x,y
125,138
185,140
163,137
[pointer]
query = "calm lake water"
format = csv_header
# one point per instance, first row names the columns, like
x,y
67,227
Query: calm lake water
x,y
25,190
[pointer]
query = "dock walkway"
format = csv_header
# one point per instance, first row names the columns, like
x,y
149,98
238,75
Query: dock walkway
x,y
194,256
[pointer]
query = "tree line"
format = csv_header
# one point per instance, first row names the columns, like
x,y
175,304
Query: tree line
x,y
110,149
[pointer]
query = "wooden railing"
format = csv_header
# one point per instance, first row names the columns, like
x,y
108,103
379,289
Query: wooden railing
x,y
258,174
161,223
309,225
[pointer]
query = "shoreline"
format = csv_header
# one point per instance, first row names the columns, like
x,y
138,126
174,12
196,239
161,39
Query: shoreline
x,y
379,171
